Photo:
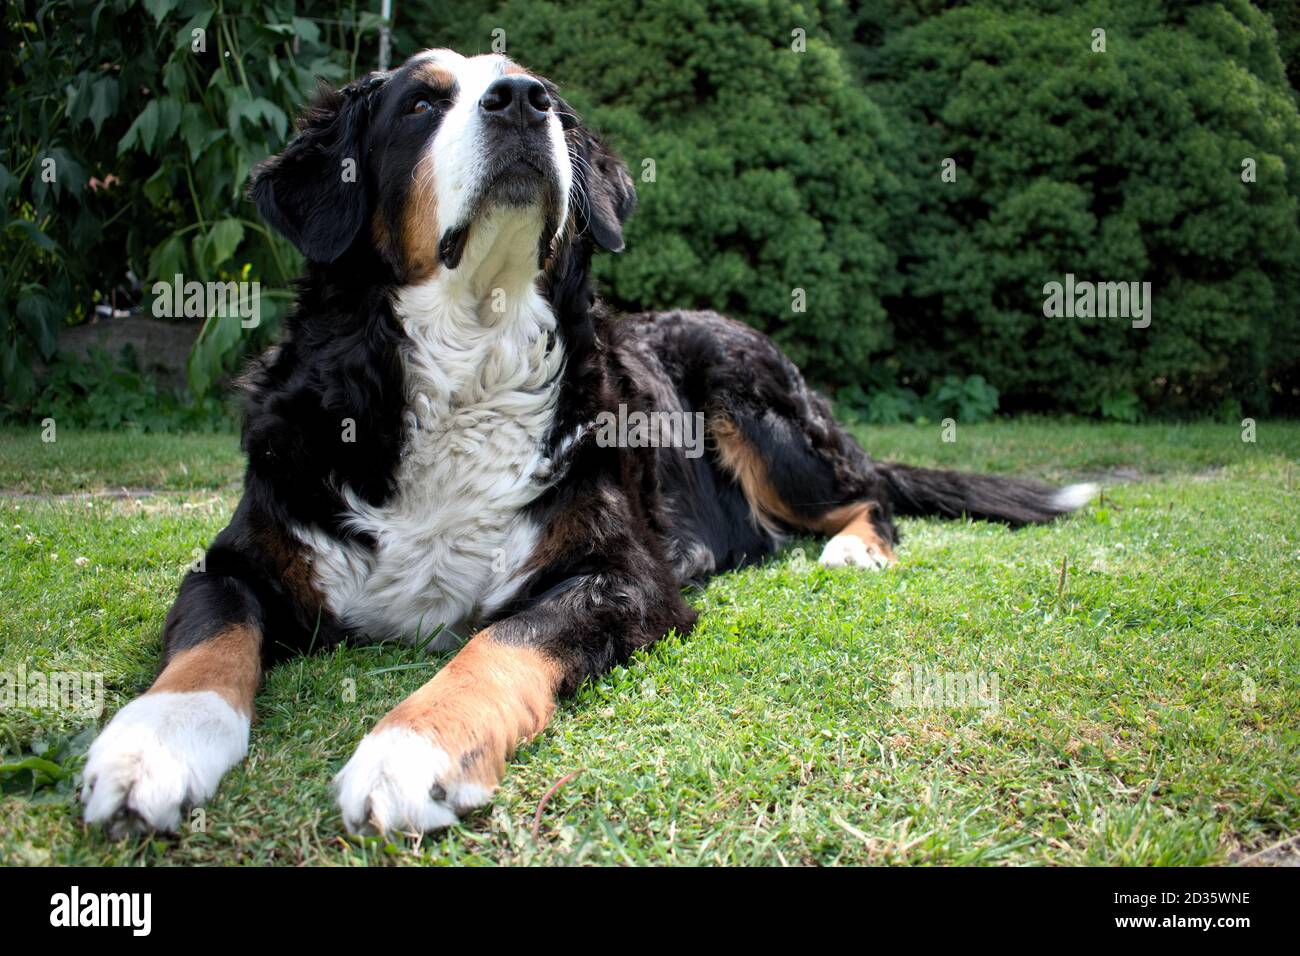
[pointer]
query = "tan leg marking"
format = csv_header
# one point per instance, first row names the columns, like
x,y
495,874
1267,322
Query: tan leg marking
x,y
740,458
490,698
855,520
842,524
229,663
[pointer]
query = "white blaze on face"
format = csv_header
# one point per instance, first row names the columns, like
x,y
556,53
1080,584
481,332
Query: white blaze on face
x,y
459,150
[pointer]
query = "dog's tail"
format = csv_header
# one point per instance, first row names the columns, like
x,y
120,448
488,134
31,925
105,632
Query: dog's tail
x,y
920,492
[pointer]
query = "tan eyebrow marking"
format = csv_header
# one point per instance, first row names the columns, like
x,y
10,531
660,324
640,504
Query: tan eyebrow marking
x,y
435,74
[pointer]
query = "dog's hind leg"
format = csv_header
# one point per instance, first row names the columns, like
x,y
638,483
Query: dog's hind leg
x,y
770,437
792,484
167,750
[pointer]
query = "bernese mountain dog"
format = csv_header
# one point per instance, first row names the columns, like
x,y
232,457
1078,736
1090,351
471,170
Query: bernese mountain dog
x,y
427,448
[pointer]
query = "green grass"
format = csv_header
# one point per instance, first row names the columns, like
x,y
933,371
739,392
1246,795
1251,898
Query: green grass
x,y
1146,711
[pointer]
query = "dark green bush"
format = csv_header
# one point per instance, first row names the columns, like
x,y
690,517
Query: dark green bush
x,y
774,171
881,402
1122,165
1286,19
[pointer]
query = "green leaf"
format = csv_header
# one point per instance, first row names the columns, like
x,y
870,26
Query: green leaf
x,y
160,8
185,35
169,118
197,130
259,112
142,131
175,78
103,101
219,338
69,177
41,317
158,187
29,230
167,260
221,241
307,30
30,774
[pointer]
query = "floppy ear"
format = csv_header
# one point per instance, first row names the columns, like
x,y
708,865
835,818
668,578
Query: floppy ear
x,y
607,196
310,192
610,196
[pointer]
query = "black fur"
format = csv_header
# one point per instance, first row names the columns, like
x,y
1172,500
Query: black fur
x,y
624,529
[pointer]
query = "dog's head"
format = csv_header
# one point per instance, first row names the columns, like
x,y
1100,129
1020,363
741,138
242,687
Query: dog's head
x,y
443,164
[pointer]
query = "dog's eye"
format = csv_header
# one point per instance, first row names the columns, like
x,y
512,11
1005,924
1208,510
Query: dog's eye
x,y
423,106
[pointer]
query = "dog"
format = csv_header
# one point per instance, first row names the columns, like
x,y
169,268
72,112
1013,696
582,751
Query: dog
x,y
426,446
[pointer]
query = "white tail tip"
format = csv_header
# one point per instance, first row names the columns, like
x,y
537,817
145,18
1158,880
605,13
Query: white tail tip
x,y
1073,497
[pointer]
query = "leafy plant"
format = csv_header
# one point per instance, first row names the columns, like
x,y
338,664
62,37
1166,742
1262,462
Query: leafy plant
x,y
110,392
808,203
969,399
132,126
46,770
1120,407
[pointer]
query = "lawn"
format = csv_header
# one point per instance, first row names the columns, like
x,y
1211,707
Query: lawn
x,y
1140,708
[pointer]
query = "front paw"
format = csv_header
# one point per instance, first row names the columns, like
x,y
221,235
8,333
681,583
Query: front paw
x,y
161,754
398,780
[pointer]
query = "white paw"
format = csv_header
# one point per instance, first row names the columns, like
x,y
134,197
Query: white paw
x,y
161,754
850,551
398,780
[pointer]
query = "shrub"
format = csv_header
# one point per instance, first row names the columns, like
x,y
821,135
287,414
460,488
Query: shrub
x,y
105,391
128,141
969,399
1122,165
768,178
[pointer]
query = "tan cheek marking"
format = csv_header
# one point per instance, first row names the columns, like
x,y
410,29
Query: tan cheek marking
x,y
229,663
420,230
855,519
419,227
491,697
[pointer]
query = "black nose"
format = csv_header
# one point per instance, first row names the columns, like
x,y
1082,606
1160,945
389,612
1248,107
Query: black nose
x,y
516,100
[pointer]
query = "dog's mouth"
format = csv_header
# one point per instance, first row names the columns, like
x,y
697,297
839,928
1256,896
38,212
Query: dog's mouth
x,y
517,180
522,176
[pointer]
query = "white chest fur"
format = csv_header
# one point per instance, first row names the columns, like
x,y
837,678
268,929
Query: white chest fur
x,y
450,544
